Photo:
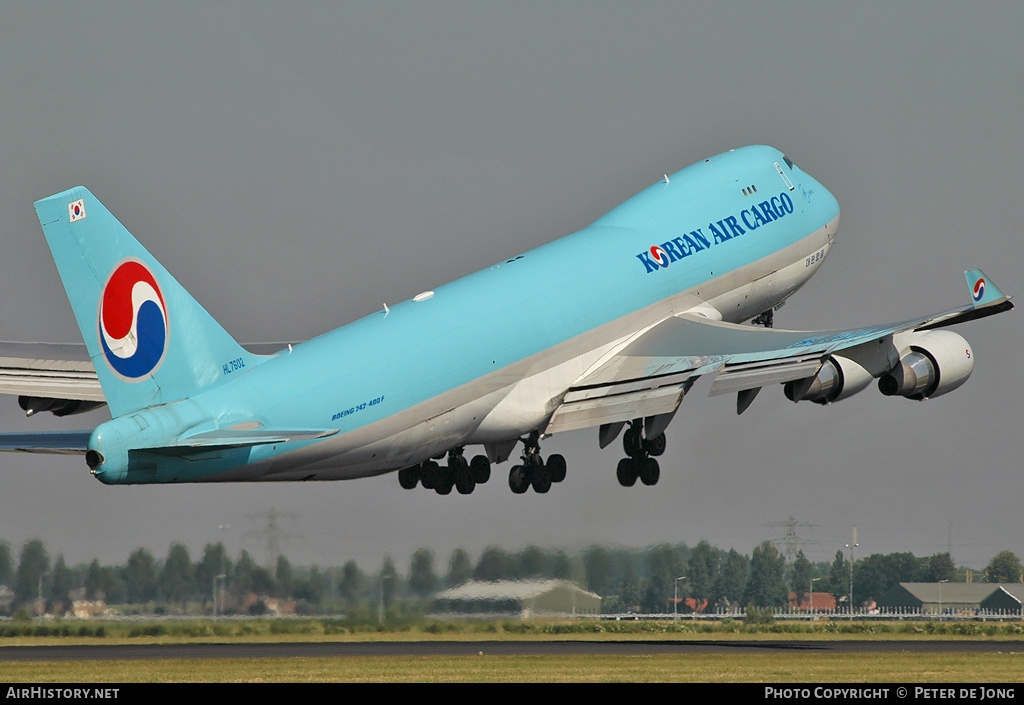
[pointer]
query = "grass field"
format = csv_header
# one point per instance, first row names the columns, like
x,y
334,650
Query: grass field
x,y
760,667
701,668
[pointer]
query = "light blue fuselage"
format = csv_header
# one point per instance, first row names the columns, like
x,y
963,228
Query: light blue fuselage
x,y
486,358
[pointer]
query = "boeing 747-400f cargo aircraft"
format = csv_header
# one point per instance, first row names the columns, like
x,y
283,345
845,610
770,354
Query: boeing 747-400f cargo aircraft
x,y
654,299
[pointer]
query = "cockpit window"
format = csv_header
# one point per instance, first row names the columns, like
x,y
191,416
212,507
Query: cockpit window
x,y
789,162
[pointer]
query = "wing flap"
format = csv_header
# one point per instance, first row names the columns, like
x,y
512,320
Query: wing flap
x,y
751,375
614,408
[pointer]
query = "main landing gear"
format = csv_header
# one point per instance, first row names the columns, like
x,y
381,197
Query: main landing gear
x,y
461,474
534,472
641,451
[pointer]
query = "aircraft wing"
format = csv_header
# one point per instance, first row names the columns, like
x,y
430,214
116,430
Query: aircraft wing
x,y
649,375
60,377
48,370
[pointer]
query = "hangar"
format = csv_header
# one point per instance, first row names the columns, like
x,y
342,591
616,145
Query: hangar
x,y
521,598
947,598
1009,598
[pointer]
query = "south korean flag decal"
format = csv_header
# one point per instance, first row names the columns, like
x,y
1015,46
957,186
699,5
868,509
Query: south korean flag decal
x,y
76,210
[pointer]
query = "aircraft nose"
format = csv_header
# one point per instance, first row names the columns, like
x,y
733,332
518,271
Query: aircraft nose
x,y
828,203
830,211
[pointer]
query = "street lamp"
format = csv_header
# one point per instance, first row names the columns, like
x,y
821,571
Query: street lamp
x,y
810,596
940,598
675,598
222,577
852,546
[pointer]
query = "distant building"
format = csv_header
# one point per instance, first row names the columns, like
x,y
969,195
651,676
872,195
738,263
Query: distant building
x,y
1008,598
937,597
527,598
687,605
257,604
818,601
86,609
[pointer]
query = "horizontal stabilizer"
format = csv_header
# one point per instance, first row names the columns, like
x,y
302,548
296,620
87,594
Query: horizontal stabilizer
x,y
77,442
54,442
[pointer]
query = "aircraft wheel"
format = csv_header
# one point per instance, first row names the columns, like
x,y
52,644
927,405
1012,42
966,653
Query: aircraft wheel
x,y
650,471
408,478
556,467
632,444
481,469
518,480
464,482
655,446
541,480
445,481
429,473
627,472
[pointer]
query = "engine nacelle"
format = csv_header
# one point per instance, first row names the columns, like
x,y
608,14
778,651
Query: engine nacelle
x,y
931,364
58,407
838,378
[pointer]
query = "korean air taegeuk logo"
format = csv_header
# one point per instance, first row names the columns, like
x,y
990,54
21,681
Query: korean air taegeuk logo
x,y
133,323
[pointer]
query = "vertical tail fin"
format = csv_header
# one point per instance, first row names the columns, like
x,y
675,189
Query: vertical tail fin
x,y
150,342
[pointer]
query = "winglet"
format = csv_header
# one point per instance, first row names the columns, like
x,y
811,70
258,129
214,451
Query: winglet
x,y
983,291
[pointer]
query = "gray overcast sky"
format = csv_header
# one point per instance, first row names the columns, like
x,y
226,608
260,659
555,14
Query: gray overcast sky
x,y
295,165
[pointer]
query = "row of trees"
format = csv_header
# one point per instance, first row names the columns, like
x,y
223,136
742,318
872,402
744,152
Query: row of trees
x,y
639,580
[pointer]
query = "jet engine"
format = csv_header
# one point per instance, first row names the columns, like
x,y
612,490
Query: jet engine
x,y
839,378
932,363
58,407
